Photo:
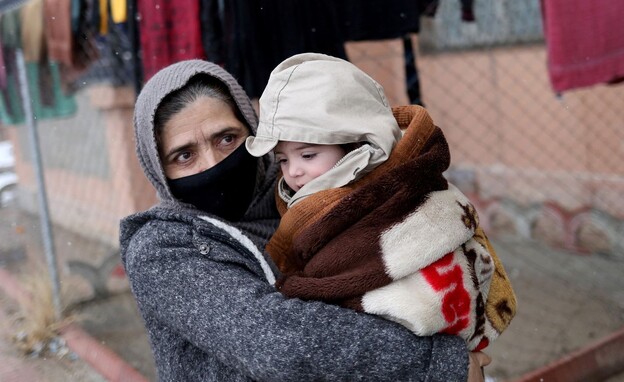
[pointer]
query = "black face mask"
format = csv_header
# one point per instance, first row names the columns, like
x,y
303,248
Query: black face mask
x,y
224,190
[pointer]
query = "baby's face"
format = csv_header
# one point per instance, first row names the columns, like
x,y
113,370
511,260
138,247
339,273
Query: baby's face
x,y
302,162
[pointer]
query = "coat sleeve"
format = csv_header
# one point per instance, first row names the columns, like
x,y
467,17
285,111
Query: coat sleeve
x,y
226,309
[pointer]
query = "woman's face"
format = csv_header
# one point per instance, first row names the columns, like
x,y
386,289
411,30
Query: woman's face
x,y
199,136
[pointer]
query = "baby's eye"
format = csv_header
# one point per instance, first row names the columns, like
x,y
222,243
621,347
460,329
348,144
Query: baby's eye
x,y
281,161
308,155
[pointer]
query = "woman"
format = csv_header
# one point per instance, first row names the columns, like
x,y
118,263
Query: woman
x,y
202,285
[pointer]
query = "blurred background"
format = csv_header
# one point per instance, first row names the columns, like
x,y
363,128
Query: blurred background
x,y
526,92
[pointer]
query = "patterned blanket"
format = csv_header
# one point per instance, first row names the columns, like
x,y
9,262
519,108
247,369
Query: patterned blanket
x,y
400,242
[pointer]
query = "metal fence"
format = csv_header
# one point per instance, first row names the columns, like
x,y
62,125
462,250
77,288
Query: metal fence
x,y
540,165
545,171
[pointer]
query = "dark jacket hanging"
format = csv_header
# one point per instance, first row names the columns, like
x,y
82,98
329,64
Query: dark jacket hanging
x,y
259,34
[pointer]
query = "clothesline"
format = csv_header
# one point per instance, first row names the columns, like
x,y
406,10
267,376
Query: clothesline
x,y
124,42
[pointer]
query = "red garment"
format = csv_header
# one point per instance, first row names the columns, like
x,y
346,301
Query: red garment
x,y
170,32
57,24
62,45
585,42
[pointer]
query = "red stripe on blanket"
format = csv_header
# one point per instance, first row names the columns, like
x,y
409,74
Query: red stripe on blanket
x,y
456,300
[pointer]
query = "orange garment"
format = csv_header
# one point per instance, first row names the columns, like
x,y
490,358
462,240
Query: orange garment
x,y
31,20
103,17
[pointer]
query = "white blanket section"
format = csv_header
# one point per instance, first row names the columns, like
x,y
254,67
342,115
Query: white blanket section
x,y
433,291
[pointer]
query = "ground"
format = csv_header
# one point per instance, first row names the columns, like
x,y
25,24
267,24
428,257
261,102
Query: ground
x,y
565,302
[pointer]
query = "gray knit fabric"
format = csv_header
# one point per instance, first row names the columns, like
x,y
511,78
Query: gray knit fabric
x,y
211,314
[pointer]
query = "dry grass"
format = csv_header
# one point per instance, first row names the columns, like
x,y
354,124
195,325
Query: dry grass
x,y
35,321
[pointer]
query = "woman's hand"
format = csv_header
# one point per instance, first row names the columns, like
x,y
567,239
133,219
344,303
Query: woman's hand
x,y
477,361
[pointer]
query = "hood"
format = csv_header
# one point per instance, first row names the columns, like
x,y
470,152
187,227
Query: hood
x,y
319,99
156,89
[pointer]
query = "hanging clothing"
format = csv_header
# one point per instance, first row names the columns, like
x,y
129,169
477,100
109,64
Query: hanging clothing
x,y
23,29
212,21
429,8
47,96
11,111
58,30
91,16
10,30
119,11
10,40
33,48
134,42
115,65
76,10
86,54
291,26
168,33
109,58
62,45
389,19
579,53
2,68
103,6
379,19
31,15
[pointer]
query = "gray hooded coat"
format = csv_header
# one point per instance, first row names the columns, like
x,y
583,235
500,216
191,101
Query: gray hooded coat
x,y
206,292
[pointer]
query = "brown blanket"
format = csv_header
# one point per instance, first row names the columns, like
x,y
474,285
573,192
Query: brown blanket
x,y
400,237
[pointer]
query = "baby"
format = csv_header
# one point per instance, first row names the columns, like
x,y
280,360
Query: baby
x,y
368,220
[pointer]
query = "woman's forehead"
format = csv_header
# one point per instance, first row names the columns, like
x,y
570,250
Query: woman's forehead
x,y
200,111
204,116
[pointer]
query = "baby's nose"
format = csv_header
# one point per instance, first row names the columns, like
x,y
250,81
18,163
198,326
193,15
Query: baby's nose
x,y
295,171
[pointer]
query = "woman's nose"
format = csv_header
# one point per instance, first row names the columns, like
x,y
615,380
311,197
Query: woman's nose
x,y
208,160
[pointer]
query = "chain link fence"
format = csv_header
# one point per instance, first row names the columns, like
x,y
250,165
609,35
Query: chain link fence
x,y
540,165
545,171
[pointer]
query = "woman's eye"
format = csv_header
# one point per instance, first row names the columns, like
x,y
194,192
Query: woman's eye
x,y
184,157
228,139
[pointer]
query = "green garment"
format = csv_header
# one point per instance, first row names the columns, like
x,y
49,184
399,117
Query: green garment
x,y
58,104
